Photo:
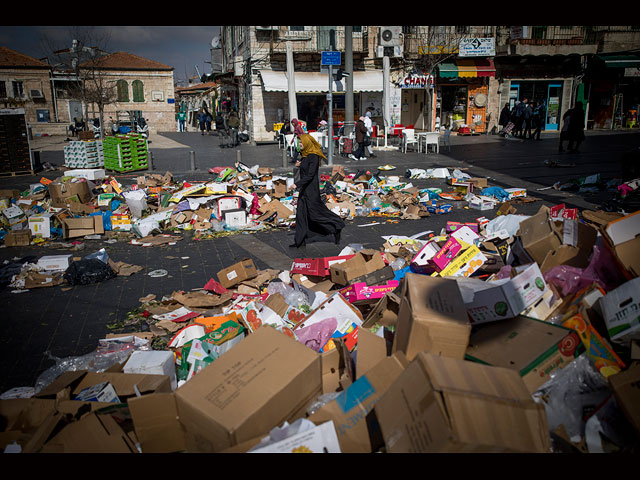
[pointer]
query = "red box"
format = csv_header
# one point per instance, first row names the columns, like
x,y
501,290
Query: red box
x,y
318,267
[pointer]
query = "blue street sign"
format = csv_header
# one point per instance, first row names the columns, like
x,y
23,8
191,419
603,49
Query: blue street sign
x,y
331,58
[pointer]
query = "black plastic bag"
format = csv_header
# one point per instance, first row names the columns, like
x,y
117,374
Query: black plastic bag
x,y
86,271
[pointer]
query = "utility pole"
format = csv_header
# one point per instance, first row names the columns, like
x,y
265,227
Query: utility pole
x,y
348,66
293,106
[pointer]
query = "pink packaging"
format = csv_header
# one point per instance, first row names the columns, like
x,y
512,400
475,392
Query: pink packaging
x,y
362,291
447,253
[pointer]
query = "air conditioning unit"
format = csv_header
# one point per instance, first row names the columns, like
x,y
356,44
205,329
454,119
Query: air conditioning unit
x,y
266,28
390,36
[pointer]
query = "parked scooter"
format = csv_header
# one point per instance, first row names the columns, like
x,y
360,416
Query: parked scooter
x,y
143,129
96,129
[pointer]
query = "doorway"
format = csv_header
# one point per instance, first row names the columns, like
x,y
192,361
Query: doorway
x,y
413,106
75,110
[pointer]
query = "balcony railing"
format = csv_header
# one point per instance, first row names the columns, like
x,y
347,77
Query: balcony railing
x,y
568,35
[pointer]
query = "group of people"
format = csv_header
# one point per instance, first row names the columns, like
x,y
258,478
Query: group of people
x,y
527,118
227,124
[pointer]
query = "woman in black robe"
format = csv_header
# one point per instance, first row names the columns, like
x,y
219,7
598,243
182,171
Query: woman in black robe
x,y
313,218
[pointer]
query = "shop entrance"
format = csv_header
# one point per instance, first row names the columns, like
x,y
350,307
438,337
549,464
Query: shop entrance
x,y
413,105
548,92
452,105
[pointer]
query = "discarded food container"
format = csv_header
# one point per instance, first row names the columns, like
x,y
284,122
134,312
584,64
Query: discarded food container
x,y
153,362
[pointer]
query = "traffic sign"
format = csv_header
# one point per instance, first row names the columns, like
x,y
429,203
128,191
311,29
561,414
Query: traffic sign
x,y
331,58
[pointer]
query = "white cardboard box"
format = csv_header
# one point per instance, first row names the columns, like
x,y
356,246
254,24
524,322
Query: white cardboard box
x,y
55,262
621,312
152,362
88,173
102,392
40,225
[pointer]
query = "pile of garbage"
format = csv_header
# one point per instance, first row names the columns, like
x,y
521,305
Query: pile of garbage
x,y
512,334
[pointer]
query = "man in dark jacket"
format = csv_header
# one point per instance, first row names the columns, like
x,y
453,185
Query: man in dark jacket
x,y
361,133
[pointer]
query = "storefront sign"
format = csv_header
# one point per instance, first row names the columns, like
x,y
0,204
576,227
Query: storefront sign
x,y
477,47
437,49
632,72
416,81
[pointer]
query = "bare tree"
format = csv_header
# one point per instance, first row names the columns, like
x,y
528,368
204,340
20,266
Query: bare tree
x,y
84,61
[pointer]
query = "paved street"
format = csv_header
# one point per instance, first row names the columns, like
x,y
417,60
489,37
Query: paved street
x,y
68,321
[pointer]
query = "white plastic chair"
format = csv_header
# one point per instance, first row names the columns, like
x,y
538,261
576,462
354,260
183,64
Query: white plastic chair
x,y
408,138
290,143
431,138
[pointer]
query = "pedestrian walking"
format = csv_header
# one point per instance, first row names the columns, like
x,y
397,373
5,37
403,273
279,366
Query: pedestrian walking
x,y
527,117
298,130
208,120
505,116
313,219
201,121
564,131
539,113
182,120
369,124
233,123
361,133
576,128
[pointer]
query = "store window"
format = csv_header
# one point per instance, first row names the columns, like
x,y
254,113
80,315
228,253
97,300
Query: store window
x,y
452,106
123,90
138,91
3,89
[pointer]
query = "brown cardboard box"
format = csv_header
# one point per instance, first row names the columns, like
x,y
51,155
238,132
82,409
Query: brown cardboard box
x,y
79,227
432,317
534,348
574,256
539,235
385,312
625,388
18,238
364,262
266,379
60,192
349,411
443,404
371,350
623,239
237,273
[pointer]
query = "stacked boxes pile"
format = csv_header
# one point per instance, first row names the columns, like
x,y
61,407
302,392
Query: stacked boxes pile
x,y
125,153
84,154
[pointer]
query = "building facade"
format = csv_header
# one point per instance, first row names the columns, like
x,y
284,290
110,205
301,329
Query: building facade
x,y
439,76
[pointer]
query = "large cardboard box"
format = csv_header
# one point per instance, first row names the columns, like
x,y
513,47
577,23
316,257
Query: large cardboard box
x,y
266,379
441,404
40,225
364,262
349,411
61,192
540,235
625,388
432,317
237,273
318,267
623,239
578,241
534,348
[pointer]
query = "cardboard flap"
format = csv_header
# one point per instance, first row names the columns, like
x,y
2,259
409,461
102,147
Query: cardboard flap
x,y
155,419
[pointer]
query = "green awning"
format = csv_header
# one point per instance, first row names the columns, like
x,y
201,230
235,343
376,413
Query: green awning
x,y
620,61
467,67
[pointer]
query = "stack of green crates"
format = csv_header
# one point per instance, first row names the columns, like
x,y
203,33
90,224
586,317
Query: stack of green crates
x,y
125,152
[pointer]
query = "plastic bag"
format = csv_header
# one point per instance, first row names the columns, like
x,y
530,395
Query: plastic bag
x,y
84,272
318,334
374,202
321,401
496,192
101,255
510,223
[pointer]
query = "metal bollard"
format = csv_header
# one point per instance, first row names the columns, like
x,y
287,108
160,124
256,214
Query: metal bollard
x,y
192,160
238,156
150,167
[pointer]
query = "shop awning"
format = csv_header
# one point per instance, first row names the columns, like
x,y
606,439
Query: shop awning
x,y
468,67
316,82
620,61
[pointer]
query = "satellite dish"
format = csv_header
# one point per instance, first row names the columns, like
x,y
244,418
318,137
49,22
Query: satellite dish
x,y
215,42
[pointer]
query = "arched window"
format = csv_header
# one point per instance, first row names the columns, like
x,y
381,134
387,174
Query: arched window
x,y
123,90
138,91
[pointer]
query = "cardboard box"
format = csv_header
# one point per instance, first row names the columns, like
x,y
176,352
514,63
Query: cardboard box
x,y
364,262
623,239
578,241
319,267
621,312
154,362
625,388
266,379
61,192
432,317
18,238
86,173
540,235
516,192
79,227
235,217
55,262
349,411
101,392
16,218
465,263
361,291
237,273
442,404
534,348
446,254
375,278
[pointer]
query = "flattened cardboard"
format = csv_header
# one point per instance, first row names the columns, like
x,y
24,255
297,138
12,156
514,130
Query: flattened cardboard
x,y
535,349
432,317
443,404
370,351
625,388
623,239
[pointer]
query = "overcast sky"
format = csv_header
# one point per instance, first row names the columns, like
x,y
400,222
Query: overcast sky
x,y
181,47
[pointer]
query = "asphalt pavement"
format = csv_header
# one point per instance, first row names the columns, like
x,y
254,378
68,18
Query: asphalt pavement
x,y
62,322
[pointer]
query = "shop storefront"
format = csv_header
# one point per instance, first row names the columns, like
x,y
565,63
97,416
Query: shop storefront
x,y
547,92
462,95
415,89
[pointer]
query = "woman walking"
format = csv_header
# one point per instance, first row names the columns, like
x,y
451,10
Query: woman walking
x,y
313,218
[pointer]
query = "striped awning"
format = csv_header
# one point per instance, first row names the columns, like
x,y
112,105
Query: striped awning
x,y
315,82
468,67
